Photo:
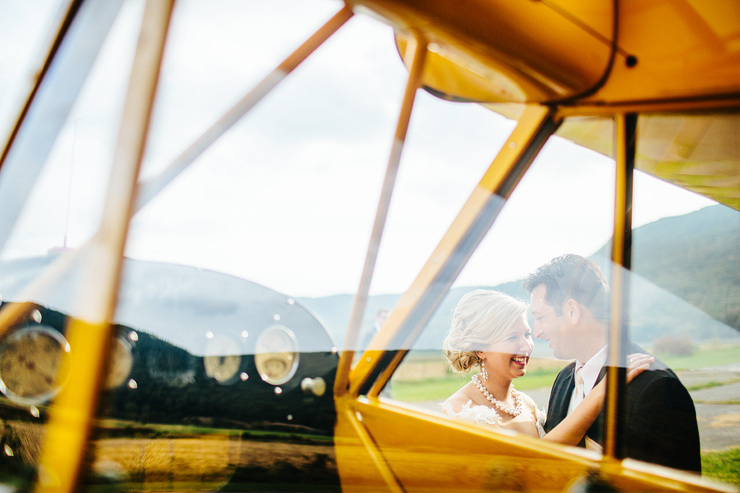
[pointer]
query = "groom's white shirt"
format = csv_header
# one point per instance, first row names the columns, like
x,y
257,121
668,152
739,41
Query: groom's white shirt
x,y
590,373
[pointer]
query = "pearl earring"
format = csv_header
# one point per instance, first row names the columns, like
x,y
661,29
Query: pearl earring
x,y
483,372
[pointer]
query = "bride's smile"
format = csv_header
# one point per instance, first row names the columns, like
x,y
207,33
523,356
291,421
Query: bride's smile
x,y
508,358
521,360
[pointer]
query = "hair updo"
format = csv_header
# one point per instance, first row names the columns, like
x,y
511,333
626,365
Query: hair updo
x,y
481,318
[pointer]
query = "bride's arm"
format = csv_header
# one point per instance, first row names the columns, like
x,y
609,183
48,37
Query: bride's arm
x,y
572,429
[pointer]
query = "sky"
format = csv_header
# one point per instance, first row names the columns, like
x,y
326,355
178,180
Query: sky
x,y
287,197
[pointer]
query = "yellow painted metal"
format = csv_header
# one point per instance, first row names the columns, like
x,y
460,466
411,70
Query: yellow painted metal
x,y
619,278
551,50
517,144
431,453
669,56
427,452
654,106
530,123
695,148
696,151
498,50
452,81
71,415
685,49
399,138
622,211
89,336
357,458
381,466
387,373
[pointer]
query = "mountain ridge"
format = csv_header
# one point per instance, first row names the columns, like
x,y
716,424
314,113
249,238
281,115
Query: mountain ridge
x,y
685,283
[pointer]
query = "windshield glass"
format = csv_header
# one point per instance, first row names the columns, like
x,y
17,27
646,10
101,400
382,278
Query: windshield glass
x,y
678,312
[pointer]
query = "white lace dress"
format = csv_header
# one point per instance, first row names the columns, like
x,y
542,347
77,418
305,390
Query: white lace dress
x,y
484,415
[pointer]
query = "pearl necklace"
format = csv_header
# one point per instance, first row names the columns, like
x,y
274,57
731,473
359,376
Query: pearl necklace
x,y
513,411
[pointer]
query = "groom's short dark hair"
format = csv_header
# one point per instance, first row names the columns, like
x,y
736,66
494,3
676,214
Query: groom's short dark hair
x,y
572,277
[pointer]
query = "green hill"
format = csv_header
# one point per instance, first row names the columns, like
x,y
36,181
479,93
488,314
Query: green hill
x,y
696,258
685,282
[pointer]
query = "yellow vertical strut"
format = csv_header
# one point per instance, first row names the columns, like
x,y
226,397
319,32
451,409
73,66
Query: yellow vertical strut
x,y
90,335
341,384
358,309
621,262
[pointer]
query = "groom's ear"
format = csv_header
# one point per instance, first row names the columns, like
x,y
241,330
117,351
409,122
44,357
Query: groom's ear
x,y
572,311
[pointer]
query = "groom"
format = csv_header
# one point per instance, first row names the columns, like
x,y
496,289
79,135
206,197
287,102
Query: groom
x,y
570,304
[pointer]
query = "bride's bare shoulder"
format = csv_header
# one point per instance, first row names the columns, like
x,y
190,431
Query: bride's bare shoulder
x,y
456,401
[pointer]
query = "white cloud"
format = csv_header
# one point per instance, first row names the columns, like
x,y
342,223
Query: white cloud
x,y
287,197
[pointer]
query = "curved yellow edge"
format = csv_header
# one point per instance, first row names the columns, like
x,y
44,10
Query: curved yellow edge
x,y
573,51
429,452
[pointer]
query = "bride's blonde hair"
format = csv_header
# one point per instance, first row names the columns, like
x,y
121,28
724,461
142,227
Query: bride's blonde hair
x,y
481,318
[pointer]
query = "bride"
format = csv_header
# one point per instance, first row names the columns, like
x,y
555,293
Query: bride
x,y
490,330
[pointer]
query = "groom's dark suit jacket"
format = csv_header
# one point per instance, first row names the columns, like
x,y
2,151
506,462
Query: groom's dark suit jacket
x,y
660,419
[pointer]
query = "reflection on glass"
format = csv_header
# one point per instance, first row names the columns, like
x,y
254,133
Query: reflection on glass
x,y
680,311
29,362
276,354
222,360
172,366
121,362
562,204
684,292
188,416
699,152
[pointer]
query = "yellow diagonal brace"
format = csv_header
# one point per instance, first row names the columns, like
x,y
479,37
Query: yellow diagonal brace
x,y
63,21
499,179
375,454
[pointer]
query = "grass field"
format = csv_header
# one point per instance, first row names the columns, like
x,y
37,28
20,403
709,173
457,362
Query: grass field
x,y
182,464
440,388
706,356
723,465
423,377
